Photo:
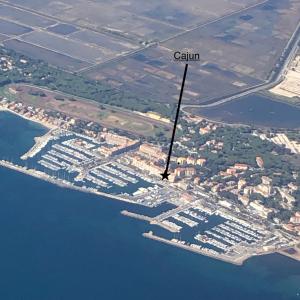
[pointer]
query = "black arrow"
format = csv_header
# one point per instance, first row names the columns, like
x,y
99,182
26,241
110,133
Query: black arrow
x,y
166,175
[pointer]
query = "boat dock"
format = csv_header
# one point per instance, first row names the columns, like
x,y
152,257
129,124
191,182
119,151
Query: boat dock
x,y
40,143
199,250
136,216
165,225
62,183
172,212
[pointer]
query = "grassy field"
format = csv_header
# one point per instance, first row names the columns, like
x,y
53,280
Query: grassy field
x,y
85,110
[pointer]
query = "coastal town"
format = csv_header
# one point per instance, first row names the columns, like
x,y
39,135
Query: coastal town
x,y
230,211
150,150
233,192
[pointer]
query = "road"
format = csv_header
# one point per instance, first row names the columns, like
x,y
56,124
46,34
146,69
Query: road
x,y
266,85
214,21
182,32
275,77
127,112
172,212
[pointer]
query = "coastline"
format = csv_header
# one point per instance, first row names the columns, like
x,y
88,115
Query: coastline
x,y
295,255
278,98
218,119
42,176
239,260
46,177
41,123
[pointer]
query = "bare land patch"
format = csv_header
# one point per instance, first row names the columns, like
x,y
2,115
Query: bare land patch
x,y
289,89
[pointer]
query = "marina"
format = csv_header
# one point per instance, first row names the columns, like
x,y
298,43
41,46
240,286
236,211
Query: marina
x,y
216,233
88,95
193,221
73,157
196,271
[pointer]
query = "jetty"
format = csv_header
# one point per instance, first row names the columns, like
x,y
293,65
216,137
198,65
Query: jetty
x,y
40,143
151,220
136,216
202,251
62,183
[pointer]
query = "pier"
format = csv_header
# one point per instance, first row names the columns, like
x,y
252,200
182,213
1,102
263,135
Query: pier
x,y
40,143
59,182
152,221
172,212
136,216
233,260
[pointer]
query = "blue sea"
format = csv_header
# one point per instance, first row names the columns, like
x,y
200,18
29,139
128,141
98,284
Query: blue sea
x,y
57,243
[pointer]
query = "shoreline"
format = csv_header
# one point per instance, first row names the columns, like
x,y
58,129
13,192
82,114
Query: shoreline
x,y
43,176
248,124
46,177
239,262
294,256
41,123
278,98
132,113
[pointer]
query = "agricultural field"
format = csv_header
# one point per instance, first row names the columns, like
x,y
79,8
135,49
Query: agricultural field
x,y
89,35
237,53
156,76
59,43
134,19
130,45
